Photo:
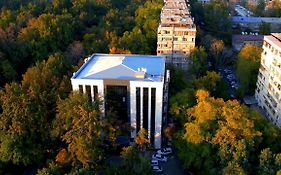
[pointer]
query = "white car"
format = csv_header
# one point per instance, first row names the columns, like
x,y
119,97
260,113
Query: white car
x,y
154,162
165,151
157,168
159,157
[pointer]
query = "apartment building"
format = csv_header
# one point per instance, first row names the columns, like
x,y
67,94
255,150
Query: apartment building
x,y
268,91
176,33
133,86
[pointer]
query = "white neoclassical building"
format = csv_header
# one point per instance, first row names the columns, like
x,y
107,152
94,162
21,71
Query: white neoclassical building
x,y
268,91
131,85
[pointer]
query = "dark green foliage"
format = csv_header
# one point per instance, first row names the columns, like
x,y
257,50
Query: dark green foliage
x,y
32,31
199,64
40,41
178,81
134,163
264,28
213,18
27,108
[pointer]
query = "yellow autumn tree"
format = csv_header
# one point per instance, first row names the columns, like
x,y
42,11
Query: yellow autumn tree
x,y
227,127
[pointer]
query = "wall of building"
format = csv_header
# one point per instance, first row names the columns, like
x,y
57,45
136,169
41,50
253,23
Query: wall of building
x,y
268,91
158,113
101,84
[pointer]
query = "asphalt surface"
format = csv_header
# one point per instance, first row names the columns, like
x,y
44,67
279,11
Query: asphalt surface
x,y
172,166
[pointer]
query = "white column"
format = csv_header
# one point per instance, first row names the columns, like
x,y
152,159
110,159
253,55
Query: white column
x,y
141,106
101,97
133,111
84,88
158,116
149,113
92,93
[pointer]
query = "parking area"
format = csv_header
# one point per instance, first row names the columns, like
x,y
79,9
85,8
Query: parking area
x,y
228,74
168,164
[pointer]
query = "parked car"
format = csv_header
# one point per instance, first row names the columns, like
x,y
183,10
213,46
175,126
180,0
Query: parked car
x,y
157,168
159,157
165,151
154,162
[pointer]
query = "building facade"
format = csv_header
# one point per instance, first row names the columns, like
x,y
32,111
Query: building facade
x,y
133,86
254,23
239,41
176,33
268,91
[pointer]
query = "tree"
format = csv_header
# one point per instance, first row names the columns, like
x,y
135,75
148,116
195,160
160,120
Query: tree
x,y
133,163
142,39
26,110
6,17
269,163
47,34
75,52
216,19
21,126
142,140
273,9
228,135
78,125
213,83
178,81
220,54
199,65
248,64
180,102
208,82
264,28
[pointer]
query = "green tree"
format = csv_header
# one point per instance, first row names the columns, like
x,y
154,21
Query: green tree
x,y
78,125
199,65
248,64
6,17
213,83
216,19
143,38
26,110
22,125
133,163
47,34
177,80
208,82
264,28
180,102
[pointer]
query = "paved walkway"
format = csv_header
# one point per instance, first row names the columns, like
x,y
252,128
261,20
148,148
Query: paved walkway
x,y
172,166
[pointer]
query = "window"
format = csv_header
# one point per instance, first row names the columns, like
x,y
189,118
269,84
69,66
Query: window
x,y
145,108
96,95
88,91
81,89
153,110
138,108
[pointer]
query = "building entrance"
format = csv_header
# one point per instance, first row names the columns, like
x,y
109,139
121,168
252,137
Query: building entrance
x,y
117,101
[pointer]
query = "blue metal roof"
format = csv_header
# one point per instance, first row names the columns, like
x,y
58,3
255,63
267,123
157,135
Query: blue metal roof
x,y
115,66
